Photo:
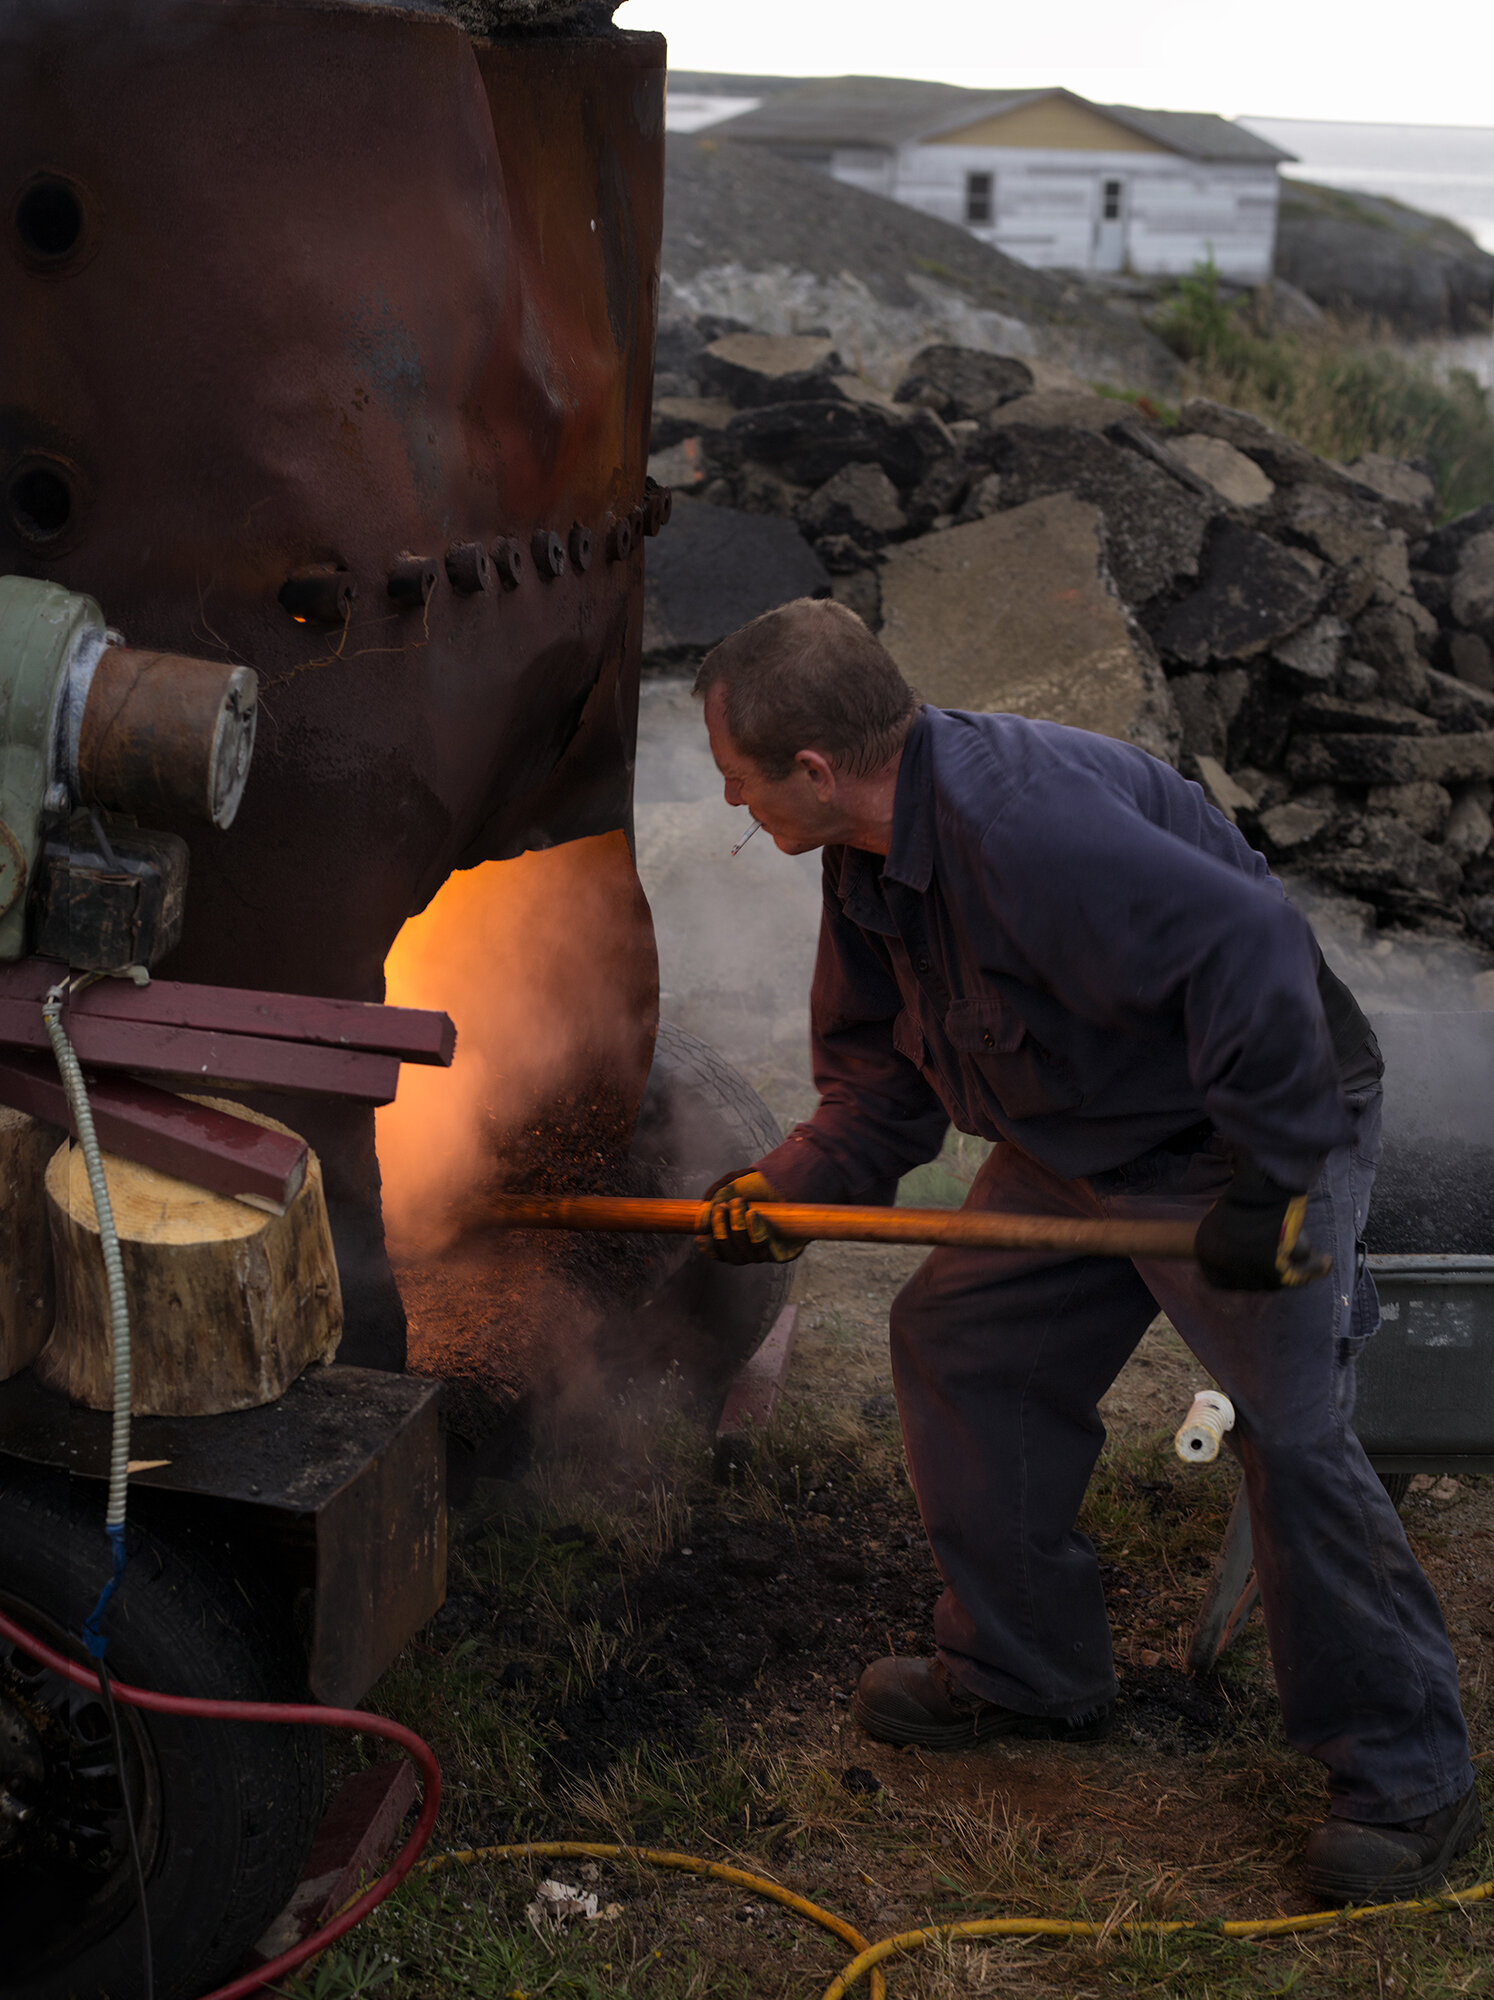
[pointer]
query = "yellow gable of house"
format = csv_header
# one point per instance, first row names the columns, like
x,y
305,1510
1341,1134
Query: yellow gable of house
x,y
1055,124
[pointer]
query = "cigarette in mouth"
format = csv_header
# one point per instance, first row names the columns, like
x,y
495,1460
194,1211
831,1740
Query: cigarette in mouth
x,y
745,838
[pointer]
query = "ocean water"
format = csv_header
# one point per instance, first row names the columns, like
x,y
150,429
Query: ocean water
x,y
1444,169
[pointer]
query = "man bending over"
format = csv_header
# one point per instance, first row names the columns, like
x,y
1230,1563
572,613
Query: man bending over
x,y
1052,940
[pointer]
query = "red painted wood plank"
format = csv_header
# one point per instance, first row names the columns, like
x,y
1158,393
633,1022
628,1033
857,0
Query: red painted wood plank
x,y
413,1034
200,1058
212,1149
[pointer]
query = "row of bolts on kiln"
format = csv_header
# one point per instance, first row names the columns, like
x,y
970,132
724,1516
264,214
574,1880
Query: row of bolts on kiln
x,y
323,594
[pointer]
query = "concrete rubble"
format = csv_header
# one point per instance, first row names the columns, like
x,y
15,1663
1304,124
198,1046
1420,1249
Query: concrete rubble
x,y
1301,637
714,568
1068,650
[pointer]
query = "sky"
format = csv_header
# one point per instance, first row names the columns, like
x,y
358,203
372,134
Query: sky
x,y
1339,59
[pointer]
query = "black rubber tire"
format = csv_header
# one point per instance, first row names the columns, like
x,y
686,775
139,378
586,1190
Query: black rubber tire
x,y
231,1809
1397,1485
700,1119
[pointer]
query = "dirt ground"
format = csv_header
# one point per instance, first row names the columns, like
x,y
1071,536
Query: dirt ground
x,y
633,1652
1146,1793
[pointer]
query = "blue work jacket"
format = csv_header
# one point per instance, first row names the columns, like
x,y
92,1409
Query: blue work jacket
x,y
1068,948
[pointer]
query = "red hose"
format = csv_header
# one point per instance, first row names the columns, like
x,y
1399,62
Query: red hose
x,y
275,1711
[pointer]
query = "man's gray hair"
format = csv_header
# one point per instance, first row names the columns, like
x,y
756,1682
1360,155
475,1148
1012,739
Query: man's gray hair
x,y
810,676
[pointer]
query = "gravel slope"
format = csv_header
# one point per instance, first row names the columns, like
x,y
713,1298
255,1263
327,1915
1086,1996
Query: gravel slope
x,y
784,248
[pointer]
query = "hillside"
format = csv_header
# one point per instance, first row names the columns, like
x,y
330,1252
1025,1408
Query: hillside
x,y
784,249
1364,253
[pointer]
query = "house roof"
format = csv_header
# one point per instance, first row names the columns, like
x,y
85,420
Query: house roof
x,y
1200,135
886,111
867,111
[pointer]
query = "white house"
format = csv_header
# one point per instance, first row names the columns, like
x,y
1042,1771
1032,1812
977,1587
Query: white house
x,y
1044,175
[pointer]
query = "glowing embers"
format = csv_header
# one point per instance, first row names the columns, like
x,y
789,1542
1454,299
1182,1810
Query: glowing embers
x,y
320,594
546,963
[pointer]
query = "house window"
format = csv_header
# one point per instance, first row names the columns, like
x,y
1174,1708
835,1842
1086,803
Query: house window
x,y
1110,206
980,197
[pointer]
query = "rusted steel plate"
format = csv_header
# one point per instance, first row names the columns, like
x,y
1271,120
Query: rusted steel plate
x,y
211,1148
346,291
357,1832
753,1396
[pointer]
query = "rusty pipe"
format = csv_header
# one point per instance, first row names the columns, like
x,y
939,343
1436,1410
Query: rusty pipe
x,y
964,1228
157,732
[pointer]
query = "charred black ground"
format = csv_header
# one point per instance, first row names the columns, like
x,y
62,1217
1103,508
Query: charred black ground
x,y
773,1615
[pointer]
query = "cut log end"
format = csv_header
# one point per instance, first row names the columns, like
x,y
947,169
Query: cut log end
x,y
228,1302
151,1207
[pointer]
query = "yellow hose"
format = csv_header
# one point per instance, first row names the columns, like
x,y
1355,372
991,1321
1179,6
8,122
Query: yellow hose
x,y
687,1864
869,1957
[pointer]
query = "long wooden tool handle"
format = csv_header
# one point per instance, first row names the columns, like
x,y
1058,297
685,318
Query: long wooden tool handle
x,y
973,1229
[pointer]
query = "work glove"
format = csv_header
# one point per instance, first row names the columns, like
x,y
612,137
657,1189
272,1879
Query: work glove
x,y
732,1235
1251,1239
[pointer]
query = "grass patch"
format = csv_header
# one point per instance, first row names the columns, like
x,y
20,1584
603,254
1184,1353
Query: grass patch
x,y
1338,390
1144,1507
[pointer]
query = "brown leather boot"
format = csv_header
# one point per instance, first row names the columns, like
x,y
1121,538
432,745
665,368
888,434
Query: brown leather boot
x,y
919,1701
1350,1861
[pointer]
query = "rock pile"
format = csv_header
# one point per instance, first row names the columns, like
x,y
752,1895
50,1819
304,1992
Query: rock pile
x,y
1297,635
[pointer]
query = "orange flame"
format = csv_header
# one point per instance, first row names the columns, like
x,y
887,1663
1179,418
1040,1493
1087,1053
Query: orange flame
x,y
547,966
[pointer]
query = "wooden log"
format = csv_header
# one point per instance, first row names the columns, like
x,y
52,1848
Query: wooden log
x,y
228,1153
228,1303
25,1245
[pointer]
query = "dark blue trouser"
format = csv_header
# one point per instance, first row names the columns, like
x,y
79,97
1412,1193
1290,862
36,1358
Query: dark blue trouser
x,y
1000,1360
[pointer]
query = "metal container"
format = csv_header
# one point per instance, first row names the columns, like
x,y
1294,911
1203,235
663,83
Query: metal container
x,y
1426,1381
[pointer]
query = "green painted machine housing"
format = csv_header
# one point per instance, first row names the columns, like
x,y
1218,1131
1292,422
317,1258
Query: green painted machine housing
x,y
47,637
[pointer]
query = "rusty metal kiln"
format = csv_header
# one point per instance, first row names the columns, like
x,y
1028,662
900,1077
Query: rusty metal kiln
x,y
327,335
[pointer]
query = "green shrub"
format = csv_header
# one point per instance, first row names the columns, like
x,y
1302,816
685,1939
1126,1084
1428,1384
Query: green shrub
x,y
1198,324
1336,390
